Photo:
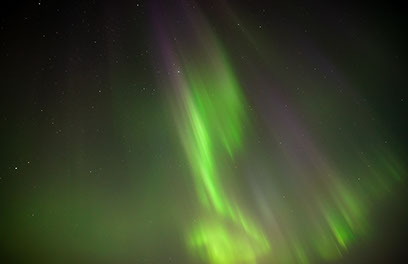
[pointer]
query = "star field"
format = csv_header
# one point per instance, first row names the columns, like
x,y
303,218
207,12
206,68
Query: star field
x,y
202,132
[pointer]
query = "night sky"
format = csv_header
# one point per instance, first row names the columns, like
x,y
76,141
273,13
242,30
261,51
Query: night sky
x,y
212,131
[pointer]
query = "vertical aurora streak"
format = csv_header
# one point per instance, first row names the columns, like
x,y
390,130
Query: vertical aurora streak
x,y
213,119
211,116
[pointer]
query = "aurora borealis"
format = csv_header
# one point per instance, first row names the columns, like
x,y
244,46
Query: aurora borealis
x,y
203,132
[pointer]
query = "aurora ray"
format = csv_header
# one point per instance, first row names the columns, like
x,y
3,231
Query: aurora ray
x,y
213,117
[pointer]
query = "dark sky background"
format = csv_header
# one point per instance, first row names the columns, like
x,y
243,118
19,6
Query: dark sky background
x,y
91,160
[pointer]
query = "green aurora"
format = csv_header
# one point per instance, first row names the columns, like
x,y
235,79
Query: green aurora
x,y
203,132
212,116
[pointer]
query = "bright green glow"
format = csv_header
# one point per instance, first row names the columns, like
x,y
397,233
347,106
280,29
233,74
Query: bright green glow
x,y
211,127
331,211
226,242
